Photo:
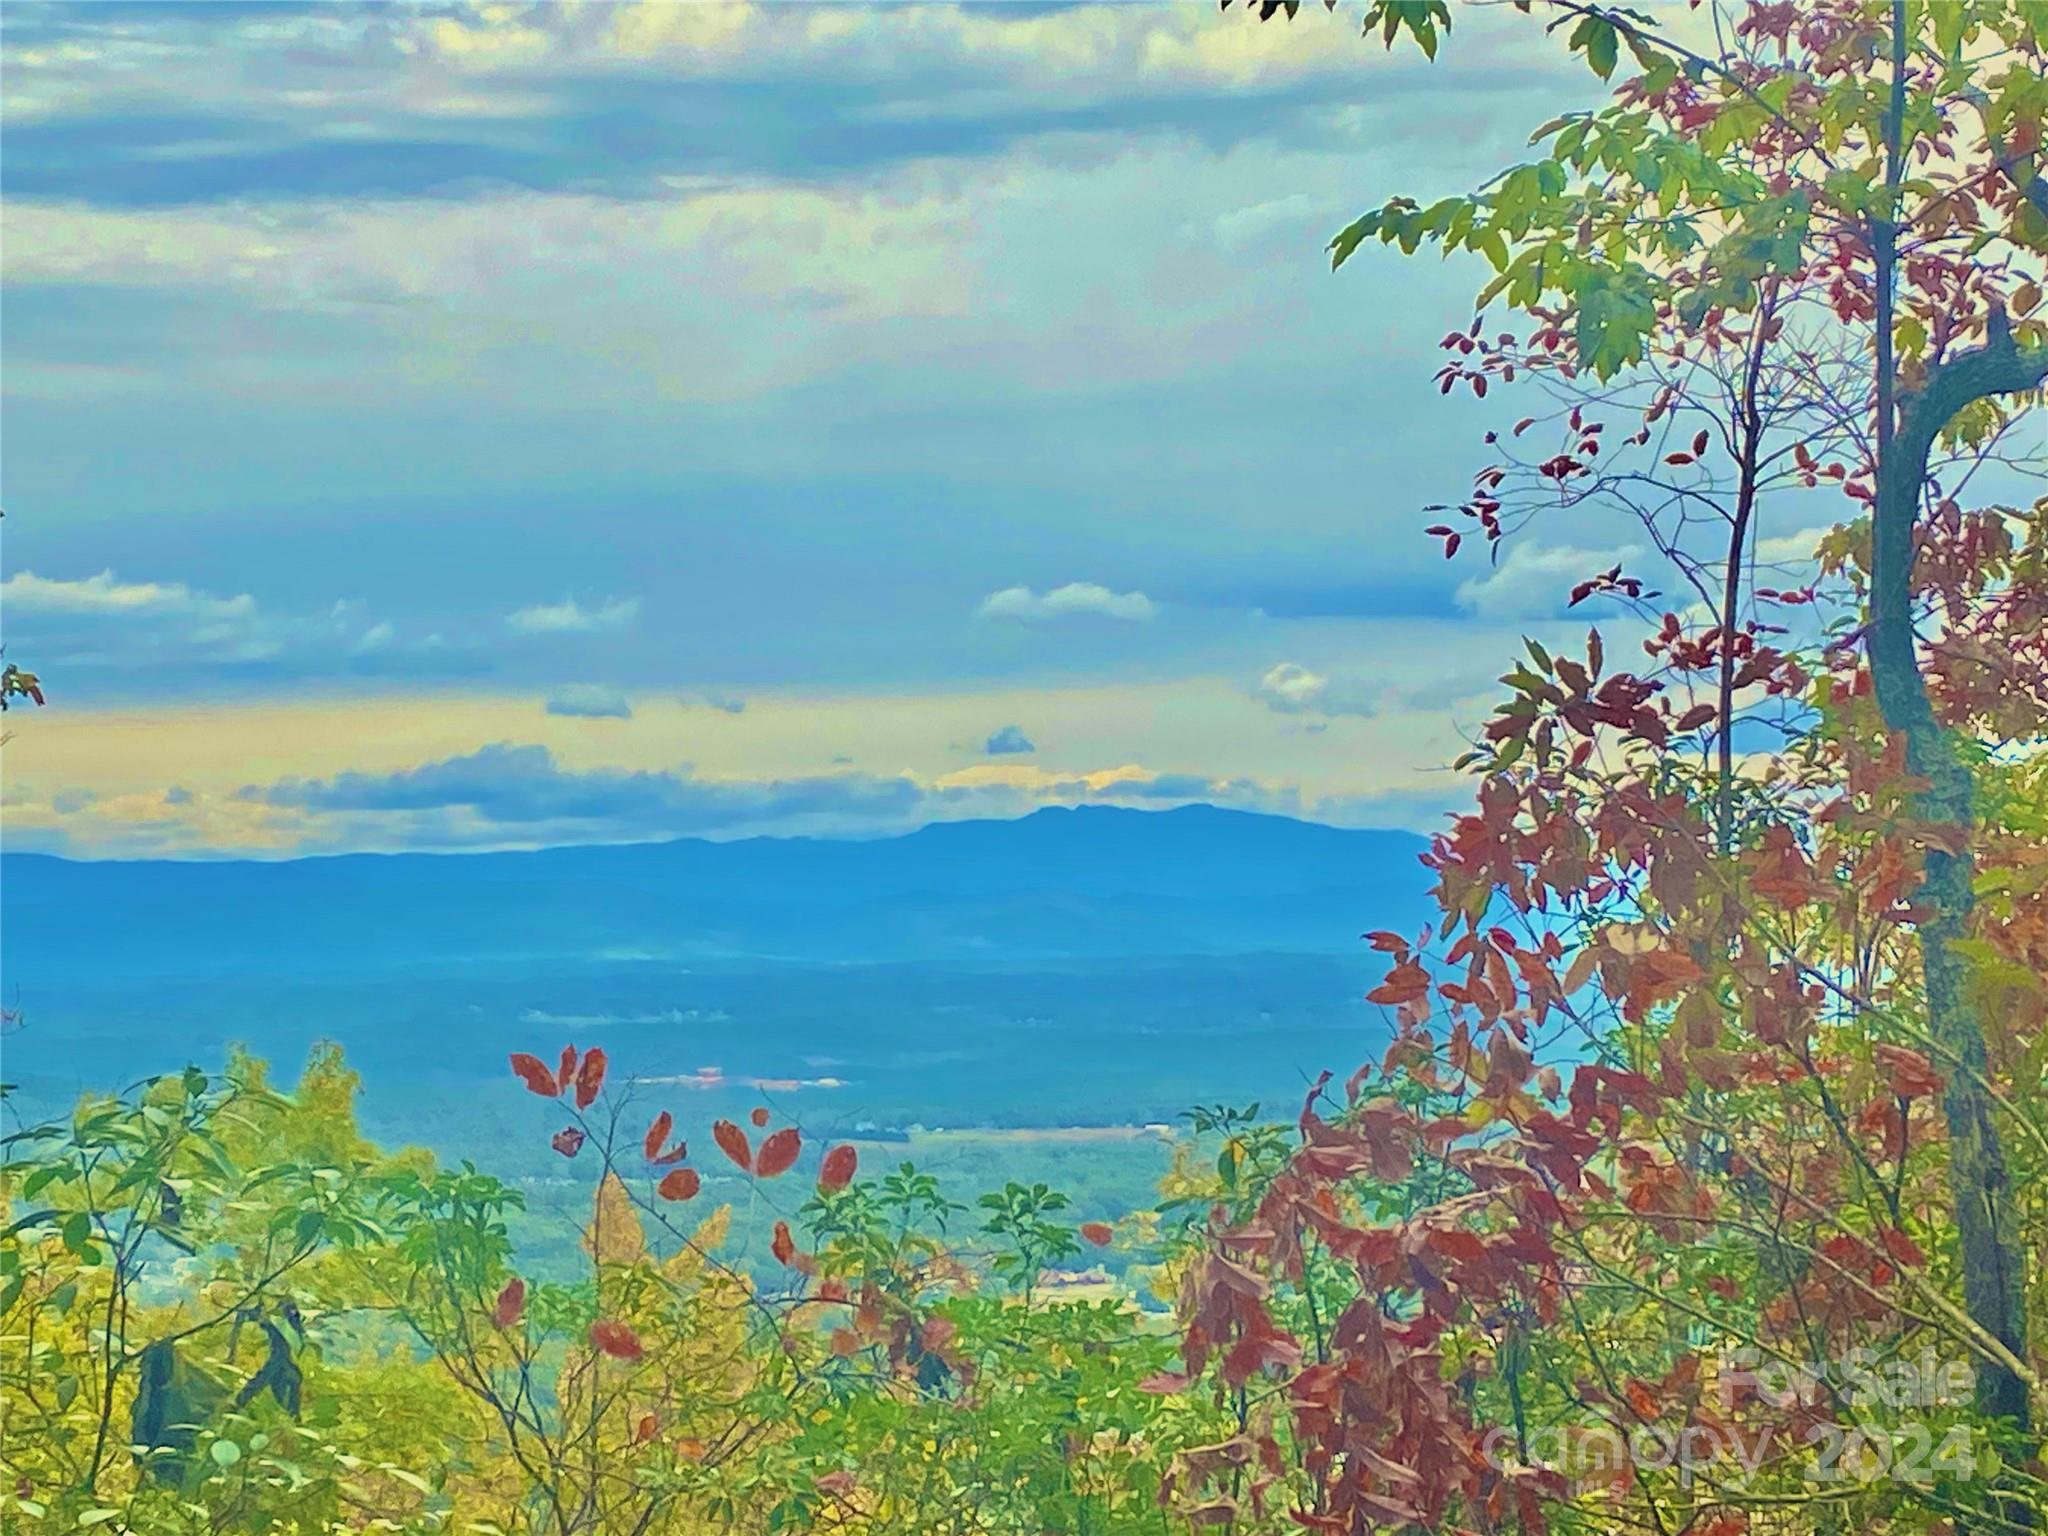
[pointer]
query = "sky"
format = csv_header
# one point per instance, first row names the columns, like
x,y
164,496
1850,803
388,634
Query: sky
x,y
496,425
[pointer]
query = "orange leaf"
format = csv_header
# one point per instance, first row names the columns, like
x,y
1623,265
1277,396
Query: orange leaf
x,y
837,1171
535,1074
615,1339
511,1304
779,1152
1913,1075
732,1141
1099,1233
1164,1383
681,1184
590,1077
657,1135
1902,1248
783,1246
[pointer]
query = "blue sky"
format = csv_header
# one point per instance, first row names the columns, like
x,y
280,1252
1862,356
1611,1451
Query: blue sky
x,y
460,426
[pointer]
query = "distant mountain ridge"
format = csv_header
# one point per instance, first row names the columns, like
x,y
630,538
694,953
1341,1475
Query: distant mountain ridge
x,y
1062,882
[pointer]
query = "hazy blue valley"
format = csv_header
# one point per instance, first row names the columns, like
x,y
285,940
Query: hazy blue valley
x,y
967,987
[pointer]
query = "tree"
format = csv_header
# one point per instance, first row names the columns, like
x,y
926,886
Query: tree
x,y
1727,216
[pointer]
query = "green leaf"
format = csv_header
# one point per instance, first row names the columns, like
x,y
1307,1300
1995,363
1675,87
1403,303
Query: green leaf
x,y
1602,44
77,1231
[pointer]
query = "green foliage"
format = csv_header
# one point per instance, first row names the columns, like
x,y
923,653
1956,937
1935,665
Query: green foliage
x,y
1031,1244
225,1311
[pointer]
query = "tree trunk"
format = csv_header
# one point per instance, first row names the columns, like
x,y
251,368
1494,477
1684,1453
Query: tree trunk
x,y
1993,1261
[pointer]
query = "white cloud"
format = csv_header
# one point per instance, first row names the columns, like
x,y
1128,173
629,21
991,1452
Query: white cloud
x,y
1794,549
1292,689
486,60
571,617
590,701
26,592
104,622
1076,597
376,638
1535,581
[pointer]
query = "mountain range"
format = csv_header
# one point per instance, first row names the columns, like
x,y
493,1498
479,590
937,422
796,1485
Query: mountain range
x,y
1088,882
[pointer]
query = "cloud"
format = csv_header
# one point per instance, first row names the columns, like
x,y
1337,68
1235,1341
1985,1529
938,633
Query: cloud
x,y
725,704
1535,581
26,592
714,1078
103,622
1076,597
590,701
669,1015
518,793
1008,741
512,795
1792,551
570,617
1289,688
1010,789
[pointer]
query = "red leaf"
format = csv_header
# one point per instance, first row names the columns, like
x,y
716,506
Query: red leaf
x,y
779,1152
511,1304
566,1074
682,1184
615,1339
783,1246
834,1482
837,1171
568,1141
1098,1232
1902,1248
759,1116
1677,458
590,1077
535,1074
1699,443
657,1135
1913,1075
732,1141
